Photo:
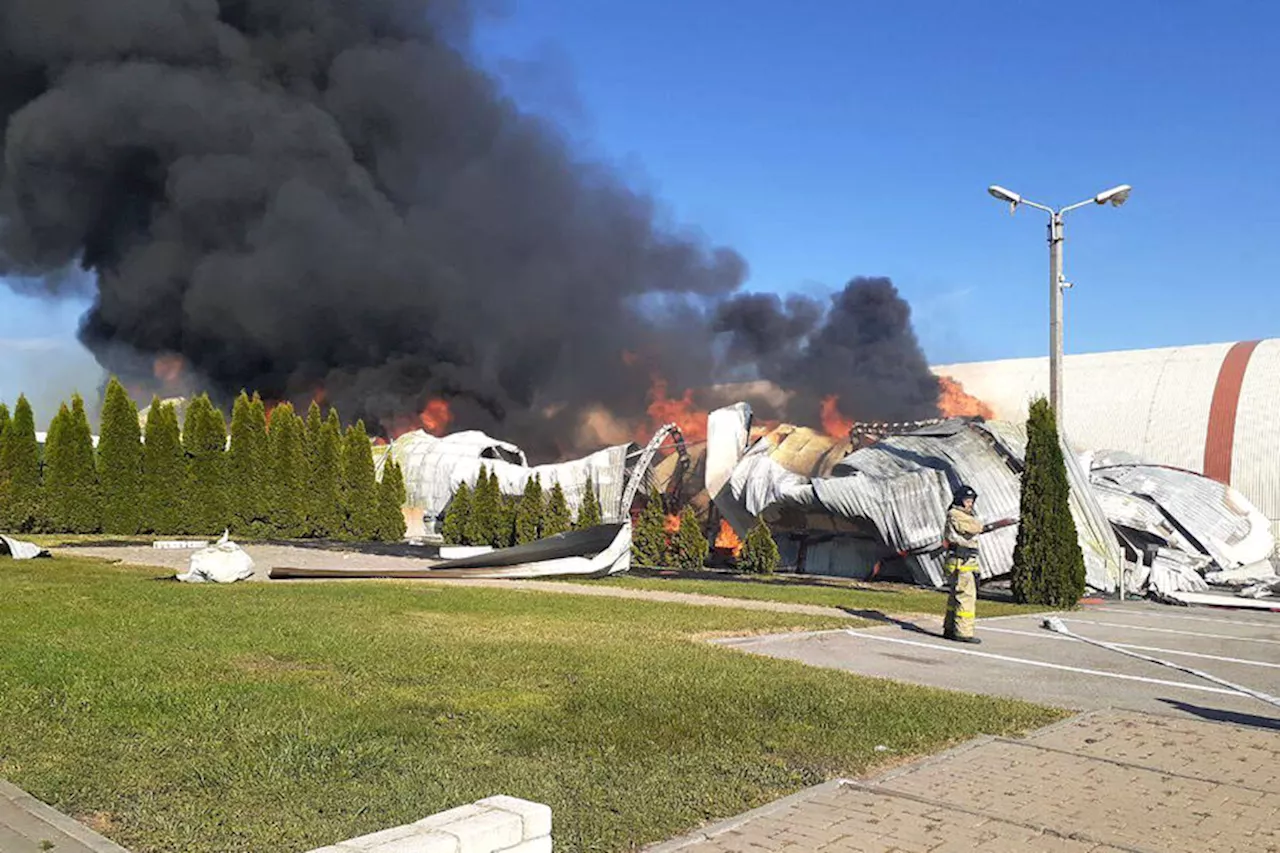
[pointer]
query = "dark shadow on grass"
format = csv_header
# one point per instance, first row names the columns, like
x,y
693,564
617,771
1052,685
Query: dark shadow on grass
x,y
1221,716
376,549
885,619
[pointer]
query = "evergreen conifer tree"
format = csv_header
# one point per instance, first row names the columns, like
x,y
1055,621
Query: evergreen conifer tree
x,y
556,518
391,497
689,547
359,486
204,441
4,419
483,522
71,474
21,492
120,462
1048,565
286,499
325,515
505,534
52,473
248,467
529,513
457,517
759,553
649,536
163,472
589,511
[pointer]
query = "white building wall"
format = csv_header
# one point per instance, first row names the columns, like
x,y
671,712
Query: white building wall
x,y
1155,403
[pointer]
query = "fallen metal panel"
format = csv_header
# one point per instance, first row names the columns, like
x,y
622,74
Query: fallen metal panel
x,y
20,550
595,552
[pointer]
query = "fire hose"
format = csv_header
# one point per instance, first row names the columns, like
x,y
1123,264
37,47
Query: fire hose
x,y
1055,624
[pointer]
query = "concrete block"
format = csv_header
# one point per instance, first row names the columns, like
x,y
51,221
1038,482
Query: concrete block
x,y
535,817
423,841
373,839
445,818
534,845
486,833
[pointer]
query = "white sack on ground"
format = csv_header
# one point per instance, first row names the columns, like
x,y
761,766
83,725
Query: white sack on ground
x,y
223,562
20,550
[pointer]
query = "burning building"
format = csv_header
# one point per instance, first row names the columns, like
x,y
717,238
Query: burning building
x,y
1212,409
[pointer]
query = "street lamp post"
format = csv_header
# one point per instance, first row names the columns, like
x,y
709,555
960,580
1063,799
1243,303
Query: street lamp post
x,y
1057,281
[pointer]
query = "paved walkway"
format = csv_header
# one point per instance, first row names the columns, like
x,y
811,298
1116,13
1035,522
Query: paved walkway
x,y
1102,782
29,826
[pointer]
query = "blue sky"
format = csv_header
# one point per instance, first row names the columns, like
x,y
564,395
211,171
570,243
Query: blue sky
x,y
825,140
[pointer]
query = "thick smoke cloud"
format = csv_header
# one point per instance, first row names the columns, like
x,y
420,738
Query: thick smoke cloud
x,y
304,194
860,348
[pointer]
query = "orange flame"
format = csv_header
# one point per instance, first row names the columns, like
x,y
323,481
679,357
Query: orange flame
x,y
682,412
671,523
436,416
955,402
169,368
727,539
629,358
834,423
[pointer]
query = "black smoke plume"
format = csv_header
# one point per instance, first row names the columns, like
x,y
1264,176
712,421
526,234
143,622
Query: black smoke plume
x,y
860,348
294,195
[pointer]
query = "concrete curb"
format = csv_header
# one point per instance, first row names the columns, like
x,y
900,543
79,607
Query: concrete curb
x,y
20,799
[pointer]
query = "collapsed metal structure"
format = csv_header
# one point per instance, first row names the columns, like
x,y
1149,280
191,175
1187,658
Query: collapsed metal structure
x,y
874,505
878,510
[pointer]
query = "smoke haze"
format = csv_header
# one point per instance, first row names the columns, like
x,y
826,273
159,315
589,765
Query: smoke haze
x,y
299,196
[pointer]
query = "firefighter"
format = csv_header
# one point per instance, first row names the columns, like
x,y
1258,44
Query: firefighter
x,y
961,540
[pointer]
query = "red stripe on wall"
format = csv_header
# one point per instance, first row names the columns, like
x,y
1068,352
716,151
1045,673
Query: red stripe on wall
x,y
1222,412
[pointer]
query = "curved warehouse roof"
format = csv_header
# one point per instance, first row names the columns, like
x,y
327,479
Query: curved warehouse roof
x,y
1213,409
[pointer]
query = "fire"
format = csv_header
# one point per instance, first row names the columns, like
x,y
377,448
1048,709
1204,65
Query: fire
x,y
681,411
955,402
629,358
834,423
671,523
169,368
436,416
727,539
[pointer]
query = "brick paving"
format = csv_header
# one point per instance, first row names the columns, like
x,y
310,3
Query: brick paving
x,y
1101,782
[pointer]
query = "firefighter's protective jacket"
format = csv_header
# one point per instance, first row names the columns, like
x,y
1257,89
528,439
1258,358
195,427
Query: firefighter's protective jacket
x,y
963,528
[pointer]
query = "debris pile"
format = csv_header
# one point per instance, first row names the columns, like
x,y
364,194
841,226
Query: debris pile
x,y
222,562
1182,532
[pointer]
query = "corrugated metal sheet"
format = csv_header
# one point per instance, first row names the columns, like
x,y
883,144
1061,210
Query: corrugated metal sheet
x,y
1218,520
843,556
434,468
903,484
1255,458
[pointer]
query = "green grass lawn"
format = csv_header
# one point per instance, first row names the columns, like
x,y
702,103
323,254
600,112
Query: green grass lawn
x,y
802,589
283,717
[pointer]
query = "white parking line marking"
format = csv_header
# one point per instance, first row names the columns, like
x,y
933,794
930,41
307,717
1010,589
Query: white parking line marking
x,y
1044,664
1076,621
1179,616
1046,635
